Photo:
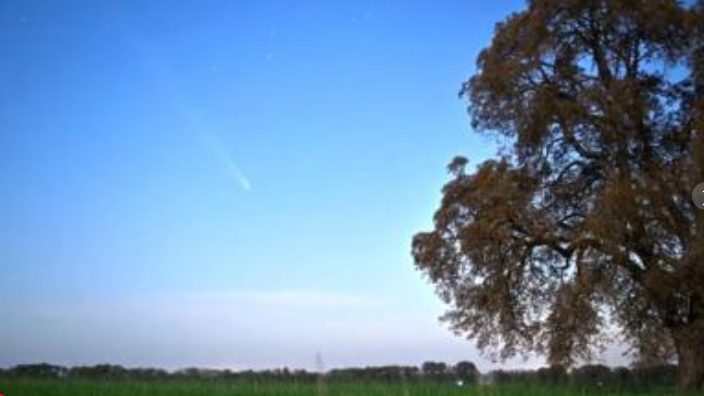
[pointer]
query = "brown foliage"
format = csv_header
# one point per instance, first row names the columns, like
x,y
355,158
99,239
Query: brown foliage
x,y
587,222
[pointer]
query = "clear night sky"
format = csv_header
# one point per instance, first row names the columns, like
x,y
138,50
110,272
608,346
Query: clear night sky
x,y
228,183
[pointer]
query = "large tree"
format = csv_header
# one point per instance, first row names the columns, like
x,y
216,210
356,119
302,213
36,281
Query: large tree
x,y
584,223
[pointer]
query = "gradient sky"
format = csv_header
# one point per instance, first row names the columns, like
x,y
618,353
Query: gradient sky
x,y
228,183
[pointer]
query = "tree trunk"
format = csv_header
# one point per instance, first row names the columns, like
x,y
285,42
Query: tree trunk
x,y
689,342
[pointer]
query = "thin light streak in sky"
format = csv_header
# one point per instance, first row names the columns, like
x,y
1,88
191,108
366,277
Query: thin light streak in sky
x,y
167,79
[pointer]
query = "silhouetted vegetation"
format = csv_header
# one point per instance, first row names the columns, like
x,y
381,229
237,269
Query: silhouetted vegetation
x,y
464,373
659,377
585,221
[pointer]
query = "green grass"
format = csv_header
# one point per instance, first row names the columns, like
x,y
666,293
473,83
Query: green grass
x,y
248,388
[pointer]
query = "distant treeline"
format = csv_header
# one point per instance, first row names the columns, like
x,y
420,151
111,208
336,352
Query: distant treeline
x,y
593,375
464,373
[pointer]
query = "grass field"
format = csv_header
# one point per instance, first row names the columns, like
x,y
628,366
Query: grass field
x,y
205,388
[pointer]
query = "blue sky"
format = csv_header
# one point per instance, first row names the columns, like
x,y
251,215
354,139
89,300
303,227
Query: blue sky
x,y
228,183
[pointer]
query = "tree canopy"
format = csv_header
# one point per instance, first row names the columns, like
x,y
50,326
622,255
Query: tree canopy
x,y
584,222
